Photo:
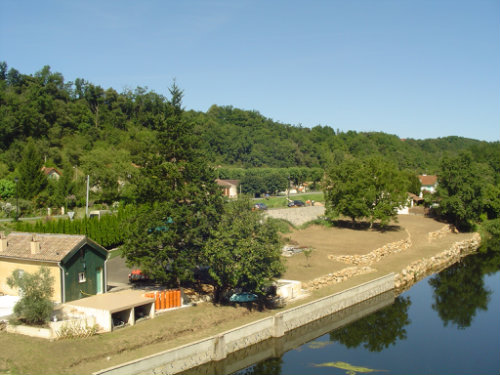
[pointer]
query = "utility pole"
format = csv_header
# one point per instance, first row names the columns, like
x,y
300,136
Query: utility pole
x,y
17,200
87,204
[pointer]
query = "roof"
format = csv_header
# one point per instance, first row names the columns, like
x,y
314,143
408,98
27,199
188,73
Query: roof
x,y
428,180
49,170
53,247
227,182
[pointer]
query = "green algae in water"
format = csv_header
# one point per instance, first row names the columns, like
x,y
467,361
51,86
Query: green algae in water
x,y
351,370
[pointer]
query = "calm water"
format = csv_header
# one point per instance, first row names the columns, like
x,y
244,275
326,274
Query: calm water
x,y
448,323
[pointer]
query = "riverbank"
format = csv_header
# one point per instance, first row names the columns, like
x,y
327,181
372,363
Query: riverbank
x,y
181,327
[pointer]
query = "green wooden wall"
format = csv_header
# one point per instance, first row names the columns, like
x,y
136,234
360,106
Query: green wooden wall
x,y
88,261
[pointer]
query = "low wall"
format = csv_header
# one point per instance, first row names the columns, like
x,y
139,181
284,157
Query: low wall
x,y
218,347
425,266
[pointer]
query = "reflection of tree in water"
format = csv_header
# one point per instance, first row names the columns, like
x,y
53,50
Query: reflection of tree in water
x,y
378,330
459,290
271,366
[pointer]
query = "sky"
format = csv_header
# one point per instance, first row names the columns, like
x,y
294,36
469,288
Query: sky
x,y
416,69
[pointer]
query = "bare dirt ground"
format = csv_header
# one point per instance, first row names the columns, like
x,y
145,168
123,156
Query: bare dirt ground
x,y
25,355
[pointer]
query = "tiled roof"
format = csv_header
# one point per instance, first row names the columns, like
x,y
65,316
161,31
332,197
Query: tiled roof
x,y
227,182
428,180
53,247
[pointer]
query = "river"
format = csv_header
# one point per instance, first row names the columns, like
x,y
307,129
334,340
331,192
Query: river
x,y
448,323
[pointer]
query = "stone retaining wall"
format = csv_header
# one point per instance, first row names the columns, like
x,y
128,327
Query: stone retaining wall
x,y
423,267
443,232
337,277
375,255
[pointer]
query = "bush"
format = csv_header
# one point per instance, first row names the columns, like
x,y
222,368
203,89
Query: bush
x,y
35,306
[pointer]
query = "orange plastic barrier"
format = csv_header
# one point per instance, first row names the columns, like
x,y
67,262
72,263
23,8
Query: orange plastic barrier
x,y
163,300
157,301
170,298
179,302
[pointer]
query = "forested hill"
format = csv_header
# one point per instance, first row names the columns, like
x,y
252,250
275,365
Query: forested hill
x,y
80,123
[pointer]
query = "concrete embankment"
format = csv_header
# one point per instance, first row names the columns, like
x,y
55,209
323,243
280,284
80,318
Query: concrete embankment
x,y
218,347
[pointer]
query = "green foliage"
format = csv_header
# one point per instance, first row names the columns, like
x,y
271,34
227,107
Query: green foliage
x,y
35,306
244,251
371,188
109,231
181,203
7,189
462,190
31,178
490,236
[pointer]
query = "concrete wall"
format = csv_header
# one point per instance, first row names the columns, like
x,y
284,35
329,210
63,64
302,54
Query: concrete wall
x,y
297,215
7,266
218,347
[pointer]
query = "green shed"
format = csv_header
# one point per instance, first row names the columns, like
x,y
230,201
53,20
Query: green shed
x,y
77,263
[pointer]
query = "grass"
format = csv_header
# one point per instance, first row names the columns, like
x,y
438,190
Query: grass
x,y
281,201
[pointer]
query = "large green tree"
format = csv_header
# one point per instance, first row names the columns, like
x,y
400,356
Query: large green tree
x,y
462,184
369,188
32,180
181,203
244,251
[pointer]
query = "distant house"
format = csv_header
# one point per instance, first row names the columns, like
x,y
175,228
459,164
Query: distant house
x,y
230,187
52,173
77,263
429,184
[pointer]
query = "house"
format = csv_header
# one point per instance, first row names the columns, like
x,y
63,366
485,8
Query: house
x,y
230,187
52,173
429,184
77,263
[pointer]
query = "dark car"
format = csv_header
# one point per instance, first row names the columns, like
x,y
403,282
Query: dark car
x,y
296,204
259,207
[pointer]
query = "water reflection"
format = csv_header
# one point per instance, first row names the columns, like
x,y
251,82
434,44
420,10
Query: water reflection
x,y
377,331
459,292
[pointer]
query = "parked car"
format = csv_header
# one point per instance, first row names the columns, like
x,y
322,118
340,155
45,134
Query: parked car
x,y
243,297
137,275
259,207
296,204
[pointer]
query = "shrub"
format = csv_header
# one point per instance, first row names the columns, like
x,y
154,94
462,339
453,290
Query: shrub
x,y
35,305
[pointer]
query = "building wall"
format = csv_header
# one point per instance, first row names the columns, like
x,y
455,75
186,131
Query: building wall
x,y
86,261
7,266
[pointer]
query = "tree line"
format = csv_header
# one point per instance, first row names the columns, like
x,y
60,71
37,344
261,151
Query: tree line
x,y
142,148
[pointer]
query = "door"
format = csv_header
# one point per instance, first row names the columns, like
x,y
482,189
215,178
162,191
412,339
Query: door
x,y
98,274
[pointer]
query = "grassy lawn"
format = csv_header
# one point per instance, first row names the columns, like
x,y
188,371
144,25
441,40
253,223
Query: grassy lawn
x,y
281,201
25,355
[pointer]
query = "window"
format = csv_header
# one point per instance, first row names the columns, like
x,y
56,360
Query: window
x,y
81,277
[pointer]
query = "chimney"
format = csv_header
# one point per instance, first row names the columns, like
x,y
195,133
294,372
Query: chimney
x,y
35,245
3,242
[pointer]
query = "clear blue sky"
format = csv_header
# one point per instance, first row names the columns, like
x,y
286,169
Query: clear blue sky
x,y
417,69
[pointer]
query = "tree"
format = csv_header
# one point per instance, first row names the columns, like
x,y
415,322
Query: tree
x,y
244,251
371,188
181,203
7,189
35,305
31,177
461,184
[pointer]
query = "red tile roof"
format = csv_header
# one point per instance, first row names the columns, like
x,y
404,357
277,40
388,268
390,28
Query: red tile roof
x,y
428,180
